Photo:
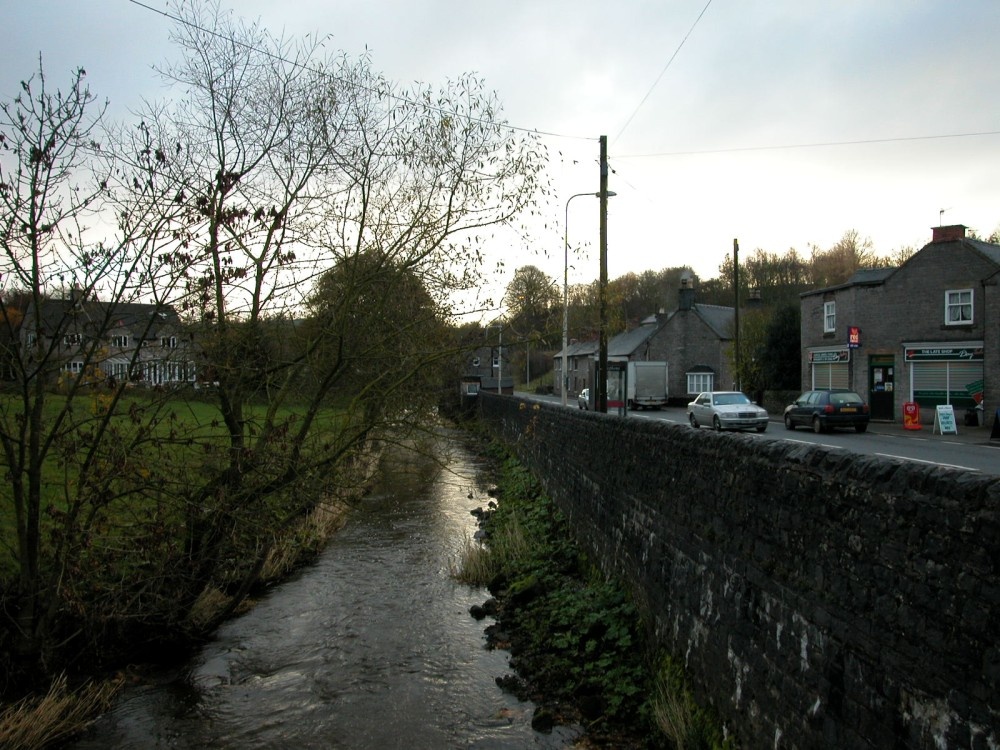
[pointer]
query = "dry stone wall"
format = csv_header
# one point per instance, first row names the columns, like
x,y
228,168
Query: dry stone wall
x,y
817,598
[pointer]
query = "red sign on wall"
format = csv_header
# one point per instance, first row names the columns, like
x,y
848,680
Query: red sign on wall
x,y
853,337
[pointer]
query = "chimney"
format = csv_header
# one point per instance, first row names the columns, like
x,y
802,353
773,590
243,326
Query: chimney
x,y
685,297
754,301
948,234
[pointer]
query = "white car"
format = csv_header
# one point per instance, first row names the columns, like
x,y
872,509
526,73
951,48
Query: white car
x,y
726,410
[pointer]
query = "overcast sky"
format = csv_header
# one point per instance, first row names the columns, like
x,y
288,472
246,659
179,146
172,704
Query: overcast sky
x,y
780,123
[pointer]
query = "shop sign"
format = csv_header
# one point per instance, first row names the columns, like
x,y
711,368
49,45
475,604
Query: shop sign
x,y
944,354
840,355
853,337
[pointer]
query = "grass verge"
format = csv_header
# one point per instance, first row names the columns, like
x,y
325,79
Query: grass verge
x,y
40,722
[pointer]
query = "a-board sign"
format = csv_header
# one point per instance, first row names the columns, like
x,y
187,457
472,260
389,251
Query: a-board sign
x,y
944,420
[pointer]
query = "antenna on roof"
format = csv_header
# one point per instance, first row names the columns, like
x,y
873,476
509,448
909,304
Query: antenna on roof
x,y
941,216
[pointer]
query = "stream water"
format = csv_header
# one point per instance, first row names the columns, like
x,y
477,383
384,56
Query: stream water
x,y
372,646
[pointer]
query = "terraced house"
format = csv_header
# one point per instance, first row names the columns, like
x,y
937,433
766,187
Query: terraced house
x,y
926,333
141,344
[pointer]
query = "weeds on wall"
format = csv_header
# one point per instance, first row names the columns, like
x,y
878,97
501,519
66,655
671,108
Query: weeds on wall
x,y
576,638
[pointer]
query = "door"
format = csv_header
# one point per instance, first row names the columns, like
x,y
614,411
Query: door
x,y
881,376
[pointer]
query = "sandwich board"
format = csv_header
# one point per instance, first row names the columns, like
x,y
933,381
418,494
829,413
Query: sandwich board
x,y
944,420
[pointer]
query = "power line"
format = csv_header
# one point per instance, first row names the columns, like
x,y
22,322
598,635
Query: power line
x,y
657,81
822,144
552,134
390,94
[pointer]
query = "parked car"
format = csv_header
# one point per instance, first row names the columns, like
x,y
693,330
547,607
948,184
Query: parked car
x,y
584,399
726,410
824,410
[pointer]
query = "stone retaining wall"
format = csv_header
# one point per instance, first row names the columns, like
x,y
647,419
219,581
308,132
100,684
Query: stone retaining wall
x,y
817,598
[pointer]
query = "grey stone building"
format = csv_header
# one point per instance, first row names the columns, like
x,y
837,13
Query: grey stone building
x,y
927,332
694,340
76,337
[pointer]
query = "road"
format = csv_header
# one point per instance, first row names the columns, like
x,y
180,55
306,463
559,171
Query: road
x,y
970,450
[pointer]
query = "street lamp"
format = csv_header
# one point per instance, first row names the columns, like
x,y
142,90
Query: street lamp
x,y
565,330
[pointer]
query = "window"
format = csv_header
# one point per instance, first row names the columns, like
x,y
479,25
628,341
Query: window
x,y
475,361
958,307
168,342
73,367
699,382
829,317
71,339
120,341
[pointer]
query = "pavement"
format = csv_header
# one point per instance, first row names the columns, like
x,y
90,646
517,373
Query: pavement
x,y
972,435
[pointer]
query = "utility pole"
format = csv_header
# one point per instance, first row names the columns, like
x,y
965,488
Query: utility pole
x,y
736,289
602,360
500,361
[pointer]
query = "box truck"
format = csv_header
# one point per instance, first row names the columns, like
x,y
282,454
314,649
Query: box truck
x,y
646,385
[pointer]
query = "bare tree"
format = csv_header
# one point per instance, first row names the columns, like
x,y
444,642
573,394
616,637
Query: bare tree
x,y
222,212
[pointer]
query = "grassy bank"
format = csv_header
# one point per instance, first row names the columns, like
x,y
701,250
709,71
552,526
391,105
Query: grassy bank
x,y
578,641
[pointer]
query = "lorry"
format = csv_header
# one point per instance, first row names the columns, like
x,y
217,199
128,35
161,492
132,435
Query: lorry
x,y
646,385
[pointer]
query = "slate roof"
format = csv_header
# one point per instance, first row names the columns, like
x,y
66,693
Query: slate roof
x,y
720,319
96,316
861,277
579,349
624,344
985,248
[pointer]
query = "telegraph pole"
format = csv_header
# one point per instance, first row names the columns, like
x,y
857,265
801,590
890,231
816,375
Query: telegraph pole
x,y
602,360
736,289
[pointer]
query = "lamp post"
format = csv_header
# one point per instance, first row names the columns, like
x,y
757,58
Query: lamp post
x,y
565,329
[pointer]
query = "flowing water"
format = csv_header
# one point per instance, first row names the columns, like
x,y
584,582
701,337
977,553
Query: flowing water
x,y
372,646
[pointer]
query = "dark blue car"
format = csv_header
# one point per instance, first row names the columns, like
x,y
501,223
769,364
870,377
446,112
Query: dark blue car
x,y
827,409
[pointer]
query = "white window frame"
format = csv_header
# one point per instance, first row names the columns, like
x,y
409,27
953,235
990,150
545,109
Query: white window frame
x,y
700,382
75,367
168,342
72,339
120,341
117,370
830,317
954,304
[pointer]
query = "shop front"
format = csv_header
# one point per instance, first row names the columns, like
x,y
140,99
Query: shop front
x,y
830,367
949,373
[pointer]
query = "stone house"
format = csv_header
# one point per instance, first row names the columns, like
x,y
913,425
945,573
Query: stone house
x,y
136,343
694,340
581,357
487,369
927,332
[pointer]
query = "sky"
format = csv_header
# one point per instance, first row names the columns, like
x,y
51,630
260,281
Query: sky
x,y
779,124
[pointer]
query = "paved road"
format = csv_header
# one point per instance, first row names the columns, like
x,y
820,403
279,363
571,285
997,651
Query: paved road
x,y
970,450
